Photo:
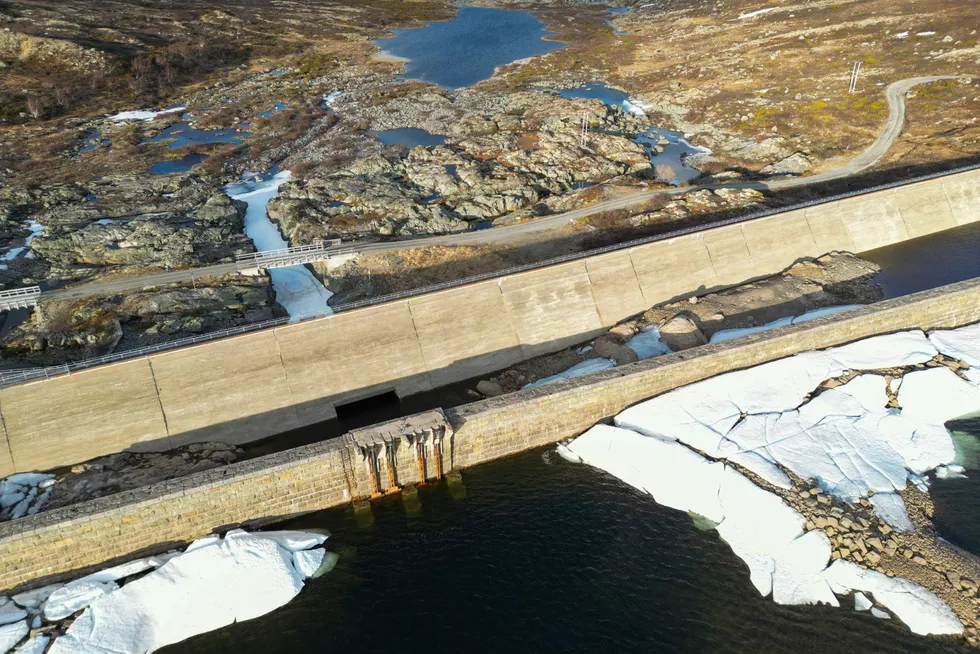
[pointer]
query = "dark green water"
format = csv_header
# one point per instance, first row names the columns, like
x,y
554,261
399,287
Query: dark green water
x,y
538,555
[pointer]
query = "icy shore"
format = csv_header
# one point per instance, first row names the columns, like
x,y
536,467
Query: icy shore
x,y
866,438
215,582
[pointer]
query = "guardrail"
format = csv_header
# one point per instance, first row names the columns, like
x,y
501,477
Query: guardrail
x,y
20,298
284,257
14,377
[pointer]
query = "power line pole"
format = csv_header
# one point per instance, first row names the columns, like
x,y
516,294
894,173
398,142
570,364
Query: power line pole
x,y
855,71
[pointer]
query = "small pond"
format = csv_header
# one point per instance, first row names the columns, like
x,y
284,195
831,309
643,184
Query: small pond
x,y
467,49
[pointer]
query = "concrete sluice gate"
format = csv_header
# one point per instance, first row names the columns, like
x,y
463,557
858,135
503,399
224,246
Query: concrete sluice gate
x,y
387,456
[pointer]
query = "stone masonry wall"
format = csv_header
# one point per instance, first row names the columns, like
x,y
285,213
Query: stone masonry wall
x,y
64,542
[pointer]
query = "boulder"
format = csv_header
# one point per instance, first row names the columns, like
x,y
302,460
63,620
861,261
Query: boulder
x,y
489,388
681,333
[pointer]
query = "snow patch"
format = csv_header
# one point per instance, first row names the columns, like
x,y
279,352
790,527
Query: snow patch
x,y
144,114
757,13
578,370
647,344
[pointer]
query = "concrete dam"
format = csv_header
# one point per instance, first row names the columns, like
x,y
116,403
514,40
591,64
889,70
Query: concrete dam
x,y
249,387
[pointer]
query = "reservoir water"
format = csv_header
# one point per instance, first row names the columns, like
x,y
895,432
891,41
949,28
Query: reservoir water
x,y
466,50
929,261
538,555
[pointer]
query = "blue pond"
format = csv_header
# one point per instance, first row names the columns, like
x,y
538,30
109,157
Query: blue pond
x,y
276,107
183,134
407,136
668,164
178,165
465,50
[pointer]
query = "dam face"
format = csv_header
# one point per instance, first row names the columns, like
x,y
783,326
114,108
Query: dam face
x,y
253,386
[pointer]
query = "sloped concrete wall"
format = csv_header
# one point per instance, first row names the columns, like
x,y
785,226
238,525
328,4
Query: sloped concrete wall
x,y
253,386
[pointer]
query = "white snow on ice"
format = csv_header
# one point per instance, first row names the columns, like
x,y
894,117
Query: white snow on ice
x,y
11,634
921,610
216,583
297,290
846,438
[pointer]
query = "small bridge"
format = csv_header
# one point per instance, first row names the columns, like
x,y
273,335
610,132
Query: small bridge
x,y
285,257
20,298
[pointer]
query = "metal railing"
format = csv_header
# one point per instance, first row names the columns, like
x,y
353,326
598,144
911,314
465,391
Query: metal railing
x,y
20,298
14,377
291,256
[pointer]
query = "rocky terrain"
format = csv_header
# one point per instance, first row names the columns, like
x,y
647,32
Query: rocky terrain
x,y
766,92
527,149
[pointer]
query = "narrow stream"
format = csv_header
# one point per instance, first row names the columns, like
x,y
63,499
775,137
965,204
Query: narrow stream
x,y
296,289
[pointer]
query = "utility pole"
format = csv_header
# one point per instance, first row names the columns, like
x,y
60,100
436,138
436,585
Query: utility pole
x,y
855,71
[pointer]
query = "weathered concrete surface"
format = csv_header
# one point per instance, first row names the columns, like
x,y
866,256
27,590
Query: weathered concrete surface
x,y
615,287
64,542
247,388
94,412
446,323
244,371
551,307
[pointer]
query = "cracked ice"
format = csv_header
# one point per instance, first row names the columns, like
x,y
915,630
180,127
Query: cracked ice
x,y
847,439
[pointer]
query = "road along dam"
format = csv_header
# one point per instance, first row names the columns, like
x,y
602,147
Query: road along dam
x,y
252,386
367,462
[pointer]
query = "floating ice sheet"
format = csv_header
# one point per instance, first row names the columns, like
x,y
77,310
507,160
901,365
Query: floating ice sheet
x,y
920,609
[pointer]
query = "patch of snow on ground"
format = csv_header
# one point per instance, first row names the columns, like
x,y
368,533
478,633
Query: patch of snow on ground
x,y
578,370
901,35
143,115
890,507
757,13
302,295
647,344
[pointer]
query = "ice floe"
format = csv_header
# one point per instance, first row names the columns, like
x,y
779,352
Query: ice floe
x,y
35,645
143,115
11,634
861,602
917,607
214,583
776,418
23,494
586,367
962,343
